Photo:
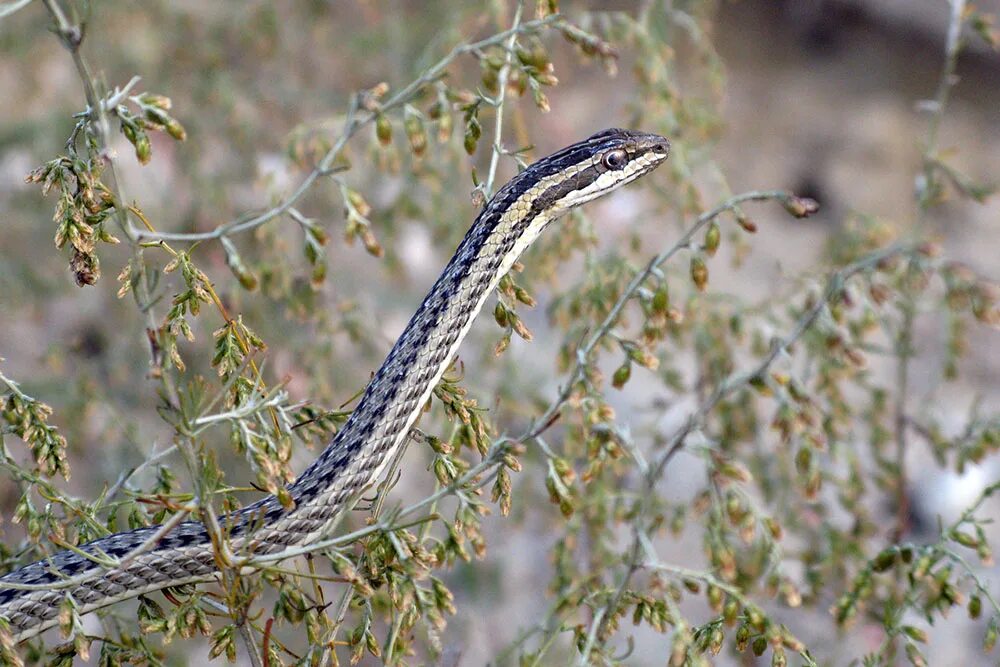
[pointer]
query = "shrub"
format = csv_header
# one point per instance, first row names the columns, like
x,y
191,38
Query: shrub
x,y
795,416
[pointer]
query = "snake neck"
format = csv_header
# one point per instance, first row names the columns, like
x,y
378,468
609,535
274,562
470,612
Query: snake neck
x,y
402,386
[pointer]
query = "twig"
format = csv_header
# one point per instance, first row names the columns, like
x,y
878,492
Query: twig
x,y
9,8
591,637
947,81
904,351
251,647
953,47
276,397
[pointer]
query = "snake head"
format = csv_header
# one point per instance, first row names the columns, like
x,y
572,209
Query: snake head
x,y
591,168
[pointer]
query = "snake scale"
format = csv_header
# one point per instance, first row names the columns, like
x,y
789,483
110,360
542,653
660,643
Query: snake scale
x,y
377,428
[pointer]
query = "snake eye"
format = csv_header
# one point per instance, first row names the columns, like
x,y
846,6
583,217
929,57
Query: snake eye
x,y
615,159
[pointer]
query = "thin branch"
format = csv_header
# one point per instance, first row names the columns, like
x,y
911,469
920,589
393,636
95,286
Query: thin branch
x,y
501,96
9,8
251,647
152,460
953,46
904,351
591,637
275,398
948,79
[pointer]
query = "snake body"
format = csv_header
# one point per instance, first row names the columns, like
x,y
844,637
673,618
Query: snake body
x,y
377,428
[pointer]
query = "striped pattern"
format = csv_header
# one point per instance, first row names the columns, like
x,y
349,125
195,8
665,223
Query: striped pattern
x,y
393,400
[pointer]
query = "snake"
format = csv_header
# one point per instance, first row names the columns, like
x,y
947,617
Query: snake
x,y
128,564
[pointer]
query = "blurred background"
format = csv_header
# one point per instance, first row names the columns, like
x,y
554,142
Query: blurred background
x,y
821,97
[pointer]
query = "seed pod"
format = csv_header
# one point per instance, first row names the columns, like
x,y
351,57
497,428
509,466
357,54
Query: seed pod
x,y
803,460
884,560
546,77
521,329
715,641
546,8
318,275
541,100
502,344
444,128
490,79
86,267
746,223
383,129
964,539
522,295
152,99
143,150
661,300
500,315
712,238
622,375
441,472
742,637
714,594
473,130
800,207
176,130
756,619
359,203
975,607
699,272
730,612
415,133
372,246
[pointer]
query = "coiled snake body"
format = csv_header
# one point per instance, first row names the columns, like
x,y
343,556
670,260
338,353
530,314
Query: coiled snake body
x,y
378,426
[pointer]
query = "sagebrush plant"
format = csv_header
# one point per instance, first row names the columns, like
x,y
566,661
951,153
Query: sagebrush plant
x,y
800,440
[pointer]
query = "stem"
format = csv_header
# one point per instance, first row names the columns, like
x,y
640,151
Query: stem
x,y
937,106
591,637
501,96
251,647
904,351
948,80
11,7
